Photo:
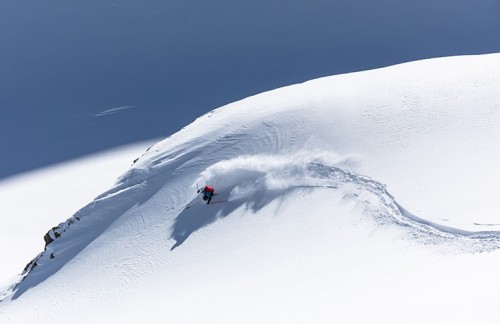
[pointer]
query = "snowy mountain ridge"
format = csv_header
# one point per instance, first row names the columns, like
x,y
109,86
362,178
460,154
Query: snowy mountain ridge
x,y
355,167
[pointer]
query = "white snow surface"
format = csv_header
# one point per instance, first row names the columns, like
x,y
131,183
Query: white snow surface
x,y
37,200
364,197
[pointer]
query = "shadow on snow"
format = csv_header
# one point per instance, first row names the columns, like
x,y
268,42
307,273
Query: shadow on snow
x,y
198,214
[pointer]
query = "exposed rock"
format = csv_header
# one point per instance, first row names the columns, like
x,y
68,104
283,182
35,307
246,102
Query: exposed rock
x,y
31,265
51,235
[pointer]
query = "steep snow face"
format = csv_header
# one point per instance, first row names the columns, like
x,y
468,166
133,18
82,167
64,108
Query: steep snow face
x,y
428,130
333,191
36,201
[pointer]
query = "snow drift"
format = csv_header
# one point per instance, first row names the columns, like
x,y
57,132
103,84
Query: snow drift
x,y
336,190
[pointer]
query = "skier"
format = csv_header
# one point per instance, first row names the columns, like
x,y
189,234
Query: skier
x,y
208,193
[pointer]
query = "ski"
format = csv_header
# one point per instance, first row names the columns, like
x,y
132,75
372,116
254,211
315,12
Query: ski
x,y
212,202
216,202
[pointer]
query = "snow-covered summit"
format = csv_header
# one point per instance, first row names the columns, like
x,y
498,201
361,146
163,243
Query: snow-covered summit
x,y
428,130
333,191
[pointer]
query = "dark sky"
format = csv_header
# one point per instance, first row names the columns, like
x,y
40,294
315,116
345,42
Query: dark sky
x,y
62,62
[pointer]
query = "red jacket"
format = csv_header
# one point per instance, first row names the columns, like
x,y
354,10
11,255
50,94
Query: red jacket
x,y
209,189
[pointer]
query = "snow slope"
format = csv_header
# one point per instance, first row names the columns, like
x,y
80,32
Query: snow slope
x,y
38,200
369,196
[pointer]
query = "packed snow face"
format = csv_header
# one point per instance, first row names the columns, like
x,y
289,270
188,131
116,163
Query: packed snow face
x,y
333,189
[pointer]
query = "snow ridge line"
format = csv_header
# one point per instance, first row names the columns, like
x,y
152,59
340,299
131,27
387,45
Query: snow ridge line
x,y
136,186
85,225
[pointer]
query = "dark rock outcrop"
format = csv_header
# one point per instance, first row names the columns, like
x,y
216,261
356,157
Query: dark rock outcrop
x,y
51,235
